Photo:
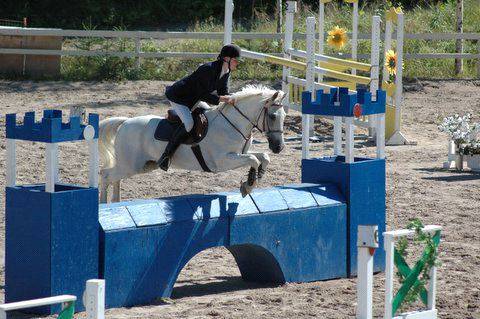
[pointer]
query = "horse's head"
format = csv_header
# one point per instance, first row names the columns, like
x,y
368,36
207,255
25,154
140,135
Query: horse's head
x,y
273,122
265,111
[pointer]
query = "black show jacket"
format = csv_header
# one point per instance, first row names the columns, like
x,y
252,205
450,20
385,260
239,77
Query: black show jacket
x,y
199,86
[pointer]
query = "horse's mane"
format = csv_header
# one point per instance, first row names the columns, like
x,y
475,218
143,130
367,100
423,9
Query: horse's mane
x,y
253,90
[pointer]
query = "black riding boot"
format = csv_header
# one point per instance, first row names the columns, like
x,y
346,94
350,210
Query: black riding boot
x,y
178,136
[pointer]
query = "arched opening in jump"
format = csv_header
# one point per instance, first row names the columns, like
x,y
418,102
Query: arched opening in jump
x,y
215,270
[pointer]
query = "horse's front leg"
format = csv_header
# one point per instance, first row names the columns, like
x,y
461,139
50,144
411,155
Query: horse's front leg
x,y
240,160
264,161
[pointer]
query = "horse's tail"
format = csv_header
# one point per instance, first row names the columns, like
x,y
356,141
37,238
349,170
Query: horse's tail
x,y
107,133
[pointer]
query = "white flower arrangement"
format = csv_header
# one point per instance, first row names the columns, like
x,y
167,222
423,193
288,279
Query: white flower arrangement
x,y
465,134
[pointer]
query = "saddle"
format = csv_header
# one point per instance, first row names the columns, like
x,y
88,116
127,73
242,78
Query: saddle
x,y
167,127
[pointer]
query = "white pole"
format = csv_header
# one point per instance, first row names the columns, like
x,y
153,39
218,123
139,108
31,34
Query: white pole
x,y
11,163
349,140
52,166
287,45
432,288
375,55
377,121
388,45
321,31
337,135
389,242
310,77
94,299
367,242
228,25
355,34
398,78
94,163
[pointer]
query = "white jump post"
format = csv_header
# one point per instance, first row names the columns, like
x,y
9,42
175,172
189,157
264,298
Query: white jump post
x,y
287,44
228,22
94,299
367,242
395,101
310,77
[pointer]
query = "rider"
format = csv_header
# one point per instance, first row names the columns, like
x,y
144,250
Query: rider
x,y
209,83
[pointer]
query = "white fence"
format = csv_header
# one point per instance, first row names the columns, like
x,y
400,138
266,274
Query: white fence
x,y
138,36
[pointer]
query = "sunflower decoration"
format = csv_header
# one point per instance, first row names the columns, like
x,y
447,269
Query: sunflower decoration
x,y
391,62
337,37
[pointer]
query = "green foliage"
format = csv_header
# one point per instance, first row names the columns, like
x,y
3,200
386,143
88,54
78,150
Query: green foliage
x,y
424,240
431,16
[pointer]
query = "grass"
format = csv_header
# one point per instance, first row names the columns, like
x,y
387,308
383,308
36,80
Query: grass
x,y
439,18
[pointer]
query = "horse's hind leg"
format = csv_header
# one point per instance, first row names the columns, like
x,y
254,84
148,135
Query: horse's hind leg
x,y
111,176
116,191
103,187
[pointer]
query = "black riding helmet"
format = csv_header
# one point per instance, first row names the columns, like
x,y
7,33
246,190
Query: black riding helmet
x,y
230,50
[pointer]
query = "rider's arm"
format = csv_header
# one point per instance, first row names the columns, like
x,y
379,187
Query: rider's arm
x,y
223,90
201,75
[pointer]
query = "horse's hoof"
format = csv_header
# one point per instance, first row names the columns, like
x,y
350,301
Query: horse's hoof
x,y
244,189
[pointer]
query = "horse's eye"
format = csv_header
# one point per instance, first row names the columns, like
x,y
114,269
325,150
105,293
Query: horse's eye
x,y
273,117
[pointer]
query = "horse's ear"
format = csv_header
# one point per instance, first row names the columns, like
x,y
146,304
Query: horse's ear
x,y
274,96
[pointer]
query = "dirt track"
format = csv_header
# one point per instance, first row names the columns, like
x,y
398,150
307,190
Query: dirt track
x,y
210,286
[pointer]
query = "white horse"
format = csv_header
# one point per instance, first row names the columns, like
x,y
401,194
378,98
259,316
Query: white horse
x,y
128,147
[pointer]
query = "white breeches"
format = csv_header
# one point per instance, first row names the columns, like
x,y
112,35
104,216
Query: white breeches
x,y
185,115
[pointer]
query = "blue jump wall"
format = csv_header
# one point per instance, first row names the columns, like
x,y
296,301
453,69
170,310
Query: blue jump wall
x,y
293,233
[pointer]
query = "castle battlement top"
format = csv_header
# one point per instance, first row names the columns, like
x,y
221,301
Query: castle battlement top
x,y
339,102
50,128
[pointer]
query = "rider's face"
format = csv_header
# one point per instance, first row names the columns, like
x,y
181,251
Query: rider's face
x,y
233,63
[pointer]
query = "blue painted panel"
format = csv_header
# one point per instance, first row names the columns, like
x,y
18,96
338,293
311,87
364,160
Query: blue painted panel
x,y
208,206
51,242
238,205
177,209
327,194
363,185
268,200
115,218
50,129
147,214
306,244
27,245
297,196
74,242
155,257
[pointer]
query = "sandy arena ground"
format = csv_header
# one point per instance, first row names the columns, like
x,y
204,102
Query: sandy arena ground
x,y
210,285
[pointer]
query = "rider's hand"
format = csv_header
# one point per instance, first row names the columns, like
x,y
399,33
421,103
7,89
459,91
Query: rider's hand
x,y
227,99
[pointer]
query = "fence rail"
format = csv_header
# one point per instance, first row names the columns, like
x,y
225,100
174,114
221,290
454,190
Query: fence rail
x,y
137,36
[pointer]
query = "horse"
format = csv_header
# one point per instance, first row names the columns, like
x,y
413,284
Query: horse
x,y
127,145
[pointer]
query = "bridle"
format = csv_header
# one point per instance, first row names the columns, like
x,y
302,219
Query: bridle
x,y
266,126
